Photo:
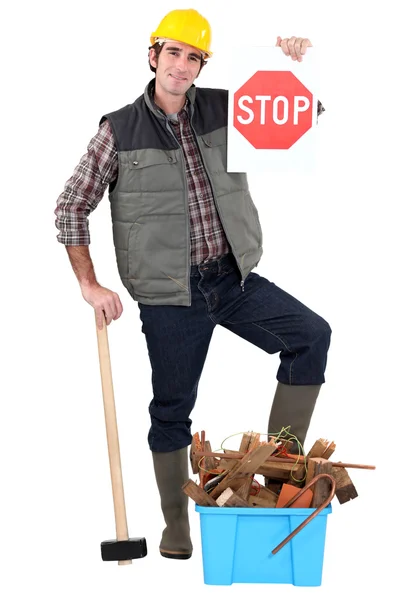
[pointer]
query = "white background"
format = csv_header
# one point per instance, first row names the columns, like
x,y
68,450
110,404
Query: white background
x,y
331,239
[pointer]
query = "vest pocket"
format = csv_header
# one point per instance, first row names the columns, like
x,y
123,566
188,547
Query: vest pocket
x,y
152,171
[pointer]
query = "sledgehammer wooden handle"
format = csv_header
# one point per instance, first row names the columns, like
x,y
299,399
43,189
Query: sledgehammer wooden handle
x,y
112,437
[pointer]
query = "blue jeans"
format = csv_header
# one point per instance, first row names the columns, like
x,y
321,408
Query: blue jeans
x,y
178,339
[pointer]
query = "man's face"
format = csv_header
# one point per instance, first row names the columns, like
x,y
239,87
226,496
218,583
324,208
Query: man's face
x,y
177,67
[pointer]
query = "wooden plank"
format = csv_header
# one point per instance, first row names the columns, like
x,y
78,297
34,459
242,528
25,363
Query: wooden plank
x,y
196,493
209,463
345,489
298,477
195,447
322,487
246,466
311,469
202,474
318,448
279,470
329,450
246,441
230,498
255,441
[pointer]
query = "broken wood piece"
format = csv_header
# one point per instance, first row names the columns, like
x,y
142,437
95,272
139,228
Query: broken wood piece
x,y
249,464
196,493
322,488
249,441
230,498
329,450
254,442
311,468
195,448
318,448
345,489
279,470
209,463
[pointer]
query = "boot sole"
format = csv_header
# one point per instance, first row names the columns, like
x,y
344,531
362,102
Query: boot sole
x,y
176,555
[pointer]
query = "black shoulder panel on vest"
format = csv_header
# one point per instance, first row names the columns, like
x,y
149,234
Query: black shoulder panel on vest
x,y
210,110
135,127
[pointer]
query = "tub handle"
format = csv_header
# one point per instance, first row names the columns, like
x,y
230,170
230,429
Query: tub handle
x,y
314,514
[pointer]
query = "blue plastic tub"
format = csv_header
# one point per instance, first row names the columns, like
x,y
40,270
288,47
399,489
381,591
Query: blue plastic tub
x,y
237,545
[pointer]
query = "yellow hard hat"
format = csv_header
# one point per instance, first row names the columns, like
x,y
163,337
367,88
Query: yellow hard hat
x,y
186,26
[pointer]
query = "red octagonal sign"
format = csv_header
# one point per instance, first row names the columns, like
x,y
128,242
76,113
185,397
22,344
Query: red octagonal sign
x,y
273,109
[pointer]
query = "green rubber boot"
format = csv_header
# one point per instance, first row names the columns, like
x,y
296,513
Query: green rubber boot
x,y
293,405
172,471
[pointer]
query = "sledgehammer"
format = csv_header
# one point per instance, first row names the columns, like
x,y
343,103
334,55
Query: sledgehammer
x,y
123,549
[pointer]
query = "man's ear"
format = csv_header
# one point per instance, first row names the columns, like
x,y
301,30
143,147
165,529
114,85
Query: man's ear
x,y
153,58
201,68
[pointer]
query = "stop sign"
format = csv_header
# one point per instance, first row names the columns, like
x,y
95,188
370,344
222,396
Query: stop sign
x,y
272,110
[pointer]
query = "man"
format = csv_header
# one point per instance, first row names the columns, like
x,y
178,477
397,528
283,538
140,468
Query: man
x,y
187,238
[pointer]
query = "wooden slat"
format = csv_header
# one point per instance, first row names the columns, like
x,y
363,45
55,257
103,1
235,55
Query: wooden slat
x,y
255,441
345,489
195,447
311,468
329,450
278,470
209,462
318,448
246,466
246,441
322,487
196,493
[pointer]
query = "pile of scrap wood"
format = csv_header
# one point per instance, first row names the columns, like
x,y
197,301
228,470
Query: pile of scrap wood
x,y
229,478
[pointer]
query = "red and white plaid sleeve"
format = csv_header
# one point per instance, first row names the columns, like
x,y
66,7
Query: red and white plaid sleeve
x,y
84,190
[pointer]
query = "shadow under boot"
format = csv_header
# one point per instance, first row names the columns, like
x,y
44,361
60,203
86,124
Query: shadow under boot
x,y
172,471
293,405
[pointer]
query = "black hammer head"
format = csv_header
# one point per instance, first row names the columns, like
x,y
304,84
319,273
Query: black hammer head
x,y
124,549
